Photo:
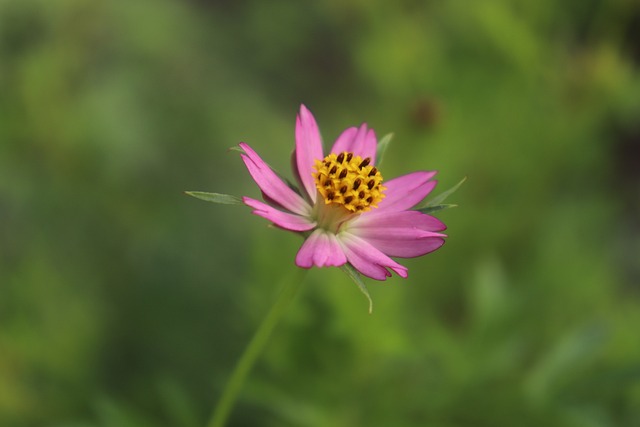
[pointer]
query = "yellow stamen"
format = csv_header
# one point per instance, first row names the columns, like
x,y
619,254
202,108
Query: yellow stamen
x,y
348,180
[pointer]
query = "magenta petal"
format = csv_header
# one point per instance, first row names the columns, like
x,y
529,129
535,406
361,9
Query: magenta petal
x,y
344,141
308,149
271,184
322,250
404,244
284,220
406,191
405,234
367,259
397,219
361,142
407,248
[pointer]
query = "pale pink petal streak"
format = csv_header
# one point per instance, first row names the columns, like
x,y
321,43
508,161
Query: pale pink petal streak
x,y
320,249
359,141
367,259
406,191
271,184
284,220
308,149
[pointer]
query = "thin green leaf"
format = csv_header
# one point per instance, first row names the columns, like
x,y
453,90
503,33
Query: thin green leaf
x,y
383,144
357,279
236,148
436,208
224,199
442,196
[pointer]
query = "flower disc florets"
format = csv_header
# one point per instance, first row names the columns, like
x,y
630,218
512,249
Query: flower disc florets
x,y
348,180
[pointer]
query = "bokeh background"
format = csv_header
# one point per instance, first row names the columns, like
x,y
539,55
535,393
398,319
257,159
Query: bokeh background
x,y
124,302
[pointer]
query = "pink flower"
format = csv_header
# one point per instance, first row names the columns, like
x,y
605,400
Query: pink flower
x,y
344,212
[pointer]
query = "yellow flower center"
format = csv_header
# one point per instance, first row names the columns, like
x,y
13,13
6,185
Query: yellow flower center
x,y
348,180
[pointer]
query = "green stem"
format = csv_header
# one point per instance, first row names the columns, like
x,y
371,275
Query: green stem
x,y
253,350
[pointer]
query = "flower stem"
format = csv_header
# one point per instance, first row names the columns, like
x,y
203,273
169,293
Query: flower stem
x,y
253,350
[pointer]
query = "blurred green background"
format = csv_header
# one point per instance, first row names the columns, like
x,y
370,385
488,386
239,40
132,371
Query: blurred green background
x,y
124,302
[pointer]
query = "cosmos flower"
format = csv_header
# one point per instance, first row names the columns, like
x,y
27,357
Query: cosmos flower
x,y
344,209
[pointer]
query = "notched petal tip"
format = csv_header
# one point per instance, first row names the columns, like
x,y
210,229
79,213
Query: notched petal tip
x,y
403,272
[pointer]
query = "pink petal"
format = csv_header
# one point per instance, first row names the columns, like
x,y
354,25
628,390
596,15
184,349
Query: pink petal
x,y
322,250
367,259
308,149
406,191
271,184
345,140
404,234
361,142
405,245
390,219
284,220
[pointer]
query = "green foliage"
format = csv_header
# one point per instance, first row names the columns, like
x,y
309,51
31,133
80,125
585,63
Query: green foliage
x,y
356,277
383,144
435,204
223,199
124,303
437,201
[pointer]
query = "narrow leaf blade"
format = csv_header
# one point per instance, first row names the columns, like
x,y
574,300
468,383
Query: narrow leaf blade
x,y
436,208
236,149
357,279
442,196
223,199
383,144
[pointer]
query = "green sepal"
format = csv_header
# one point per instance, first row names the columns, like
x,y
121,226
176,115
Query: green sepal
x,y
357,279
223,199
437,201
436,208
383,144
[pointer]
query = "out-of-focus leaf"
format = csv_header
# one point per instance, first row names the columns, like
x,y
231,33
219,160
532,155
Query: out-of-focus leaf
x,y
177,405
112,413
223,199
573,352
